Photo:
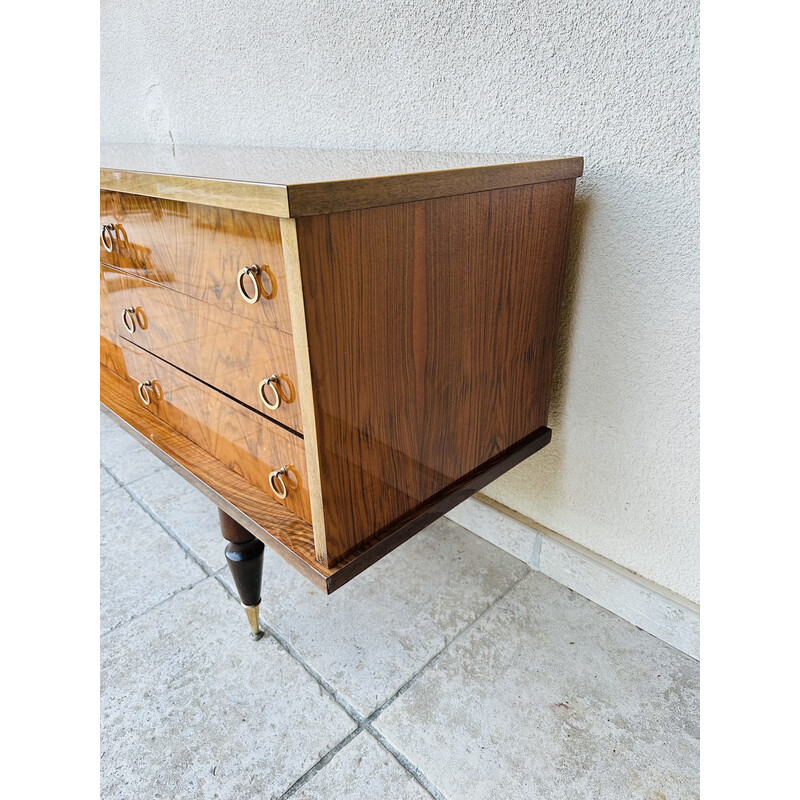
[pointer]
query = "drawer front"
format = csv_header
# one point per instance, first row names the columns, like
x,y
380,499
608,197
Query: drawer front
x,y
110,354
246,442
231,353
199,250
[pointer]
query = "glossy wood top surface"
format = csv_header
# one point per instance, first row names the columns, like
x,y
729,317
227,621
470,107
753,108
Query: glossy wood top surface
x,y
299,182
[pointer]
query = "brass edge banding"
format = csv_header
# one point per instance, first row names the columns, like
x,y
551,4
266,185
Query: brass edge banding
x,y
326,197
260,198
294,286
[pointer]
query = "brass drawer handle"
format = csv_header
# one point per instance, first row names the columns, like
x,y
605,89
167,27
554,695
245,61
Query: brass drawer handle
x,y
129,319
251,272
267,384
276,477
105,237
144,392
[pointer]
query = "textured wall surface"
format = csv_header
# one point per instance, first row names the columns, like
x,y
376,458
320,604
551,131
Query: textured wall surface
x,y
615,82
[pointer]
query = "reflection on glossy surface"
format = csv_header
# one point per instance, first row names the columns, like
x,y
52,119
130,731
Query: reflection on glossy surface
x,y
440,359
226,351
242,440
290,166
199,250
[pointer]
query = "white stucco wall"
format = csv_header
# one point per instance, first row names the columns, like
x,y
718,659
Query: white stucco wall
x,y
615,82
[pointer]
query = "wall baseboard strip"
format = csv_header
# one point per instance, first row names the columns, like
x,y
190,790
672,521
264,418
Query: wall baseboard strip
x,y
640,602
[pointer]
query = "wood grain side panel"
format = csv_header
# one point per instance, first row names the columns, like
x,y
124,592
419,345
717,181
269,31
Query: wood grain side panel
x,y
431,332
198,250
438,505
245,442
229,352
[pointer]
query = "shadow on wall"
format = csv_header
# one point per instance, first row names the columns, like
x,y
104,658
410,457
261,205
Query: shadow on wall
x,y
566,327
555,454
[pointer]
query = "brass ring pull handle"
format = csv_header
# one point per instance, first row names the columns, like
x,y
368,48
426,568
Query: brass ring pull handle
x,y
251,272
270,383
105,237
276,481
144,393
129,319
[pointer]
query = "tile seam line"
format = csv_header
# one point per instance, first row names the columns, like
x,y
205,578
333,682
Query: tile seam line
x,y
412,769
363,723
163,524
360,720
320,765
437,657
153,607
292,651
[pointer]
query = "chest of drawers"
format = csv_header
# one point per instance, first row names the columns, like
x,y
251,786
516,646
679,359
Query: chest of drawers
x,y
336,347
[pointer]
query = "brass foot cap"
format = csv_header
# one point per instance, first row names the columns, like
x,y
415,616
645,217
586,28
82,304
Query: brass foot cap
x,y
252,616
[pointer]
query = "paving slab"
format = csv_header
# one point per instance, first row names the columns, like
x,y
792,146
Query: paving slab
x,y
506,532
107,482
362,770
123,455
189,514
140,564
551,696
374,634
191,709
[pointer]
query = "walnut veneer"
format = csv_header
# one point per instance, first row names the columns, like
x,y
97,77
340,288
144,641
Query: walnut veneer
x,y
395,355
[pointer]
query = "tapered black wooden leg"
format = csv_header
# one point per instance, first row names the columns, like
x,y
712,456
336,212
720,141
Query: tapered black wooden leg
x,y
245,556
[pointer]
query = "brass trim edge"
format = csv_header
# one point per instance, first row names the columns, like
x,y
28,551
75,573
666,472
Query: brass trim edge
x,y
297,310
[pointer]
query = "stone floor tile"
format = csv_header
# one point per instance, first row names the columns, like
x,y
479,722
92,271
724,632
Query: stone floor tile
x,y
191,709
123,455
190,515
370,637
498,528
107,483
362,770
551,696
107,424
140,564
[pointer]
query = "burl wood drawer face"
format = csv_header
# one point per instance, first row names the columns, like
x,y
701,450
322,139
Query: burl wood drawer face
x,y
229,352
110,354
247,443
198,250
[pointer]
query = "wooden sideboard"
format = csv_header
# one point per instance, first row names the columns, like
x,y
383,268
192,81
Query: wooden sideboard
x,y
336,347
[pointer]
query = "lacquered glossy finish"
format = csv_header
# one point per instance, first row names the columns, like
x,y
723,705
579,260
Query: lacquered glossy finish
x,y
110,354
246,442
226,351
276,526
286,533
300,182
245,556
199,250
413,317
432,351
